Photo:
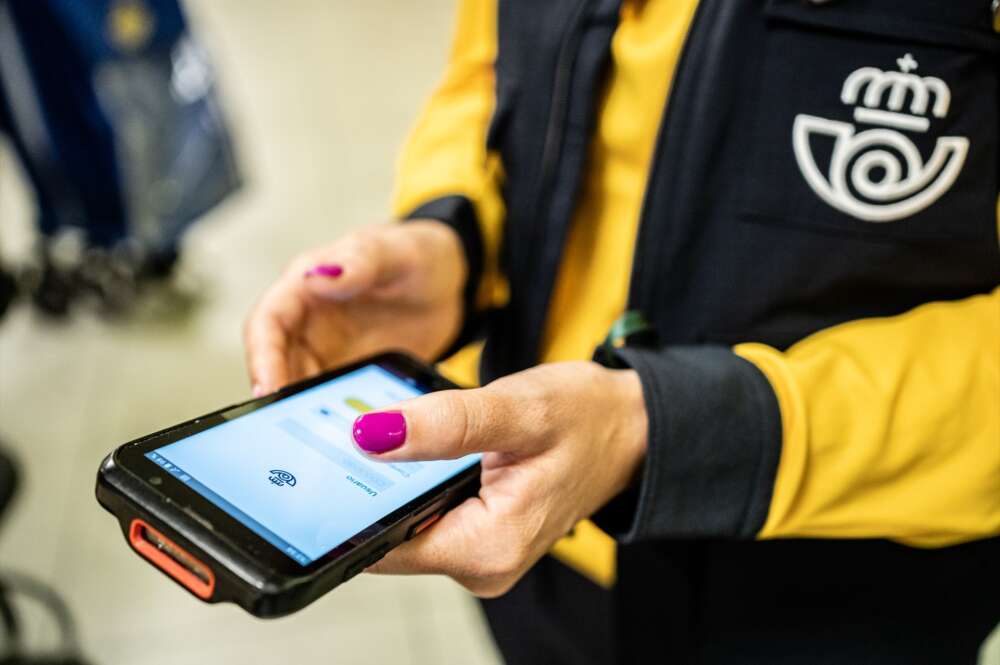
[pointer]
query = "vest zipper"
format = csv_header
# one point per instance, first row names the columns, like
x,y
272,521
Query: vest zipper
x,y
639,297
568,52
552,147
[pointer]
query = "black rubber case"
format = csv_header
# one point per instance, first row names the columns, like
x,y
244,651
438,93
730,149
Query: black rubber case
x,y
216,558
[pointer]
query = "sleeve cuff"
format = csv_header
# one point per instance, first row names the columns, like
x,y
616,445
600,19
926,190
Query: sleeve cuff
x,y
714,445
458,213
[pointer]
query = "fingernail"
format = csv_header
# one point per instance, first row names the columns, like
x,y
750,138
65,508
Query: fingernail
x,y
380,432
257,391
325,270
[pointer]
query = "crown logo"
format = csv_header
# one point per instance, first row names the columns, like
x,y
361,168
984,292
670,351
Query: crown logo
x,y
878,174
900,85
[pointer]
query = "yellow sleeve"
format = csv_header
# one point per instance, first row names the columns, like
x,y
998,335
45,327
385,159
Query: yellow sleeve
x,y
445,154
891,427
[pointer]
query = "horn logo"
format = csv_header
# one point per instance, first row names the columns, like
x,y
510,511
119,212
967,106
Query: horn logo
x,y
879,175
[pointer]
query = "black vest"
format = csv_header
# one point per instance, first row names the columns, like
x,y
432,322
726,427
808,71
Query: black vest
x,y
773,210
734,243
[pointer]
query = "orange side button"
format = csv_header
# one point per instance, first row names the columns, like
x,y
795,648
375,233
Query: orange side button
x,y
423,525
172,559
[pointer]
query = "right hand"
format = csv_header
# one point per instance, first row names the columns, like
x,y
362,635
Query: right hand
x,y
400,287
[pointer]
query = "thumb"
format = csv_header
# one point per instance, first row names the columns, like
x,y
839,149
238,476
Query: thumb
x,y
444,425
356,265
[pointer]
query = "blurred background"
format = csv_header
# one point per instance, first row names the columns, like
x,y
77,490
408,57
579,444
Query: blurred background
x,y
316,97
273,129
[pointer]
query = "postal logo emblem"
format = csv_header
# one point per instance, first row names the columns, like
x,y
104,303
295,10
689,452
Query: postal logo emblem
x,y
878,174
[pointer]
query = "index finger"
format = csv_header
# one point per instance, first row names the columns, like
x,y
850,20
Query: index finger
x,y
267,336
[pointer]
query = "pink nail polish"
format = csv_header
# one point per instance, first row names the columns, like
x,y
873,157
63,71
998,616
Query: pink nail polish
x,y
380,432
324,270
257,391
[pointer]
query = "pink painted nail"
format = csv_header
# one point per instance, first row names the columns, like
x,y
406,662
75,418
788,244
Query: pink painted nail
x,y
257,391
380,432
331,270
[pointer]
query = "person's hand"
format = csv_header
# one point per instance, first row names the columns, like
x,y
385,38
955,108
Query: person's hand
x,y
560,440
394,286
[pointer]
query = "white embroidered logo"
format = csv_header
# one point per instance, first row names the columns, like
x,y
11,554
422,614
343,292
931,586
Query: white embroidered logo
x,y
879,175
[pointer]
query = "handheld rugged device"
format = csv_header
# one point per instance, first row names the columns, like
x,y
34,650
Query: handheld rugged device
x,y
267,504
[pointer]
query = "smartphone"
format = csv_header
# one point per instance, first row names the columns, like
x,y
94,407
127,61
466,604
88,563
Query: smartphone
x,y
268,504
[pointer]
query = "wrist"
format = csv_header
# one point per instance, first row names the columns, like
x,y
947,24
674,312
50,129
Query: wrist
x,y
631,427
437,246
440,240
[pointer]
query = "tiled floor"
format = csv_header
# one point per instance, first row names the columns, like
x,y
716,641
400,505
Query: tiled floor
x,y
320,94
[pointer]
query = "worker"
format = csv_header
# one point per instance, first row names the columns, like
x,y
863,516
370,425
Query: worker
x,y
736,267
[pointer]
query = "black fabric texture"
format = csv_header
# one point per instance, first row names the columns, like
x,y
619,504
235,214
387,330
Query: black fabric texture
x,y
734,244
459,214
713,450
553,616
708,603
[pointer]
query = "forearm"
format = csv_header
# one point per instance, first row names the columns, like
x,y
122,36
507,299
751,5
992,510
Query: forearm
x,y
882,428
891,427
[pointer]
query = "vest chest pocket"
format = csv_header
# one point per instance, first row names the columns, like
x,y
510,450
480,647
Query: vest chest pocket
x,y
877,118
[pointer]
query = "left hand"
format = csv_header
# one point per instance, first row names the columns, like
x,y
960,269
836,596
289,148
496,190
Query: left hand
x,y
560,440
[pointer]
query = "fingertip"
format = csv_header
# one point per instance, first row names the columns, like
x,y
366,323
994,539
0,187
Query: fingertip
x,y
328,270
379,432
268,374
338,283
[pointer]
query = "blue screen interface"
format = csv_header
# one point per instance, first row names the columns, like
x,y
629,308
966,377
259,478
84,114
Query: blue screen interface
x,y
291,473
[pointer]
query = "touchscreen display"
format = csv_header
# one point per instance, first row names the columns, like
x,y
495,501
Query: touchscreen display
x,y
290,472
